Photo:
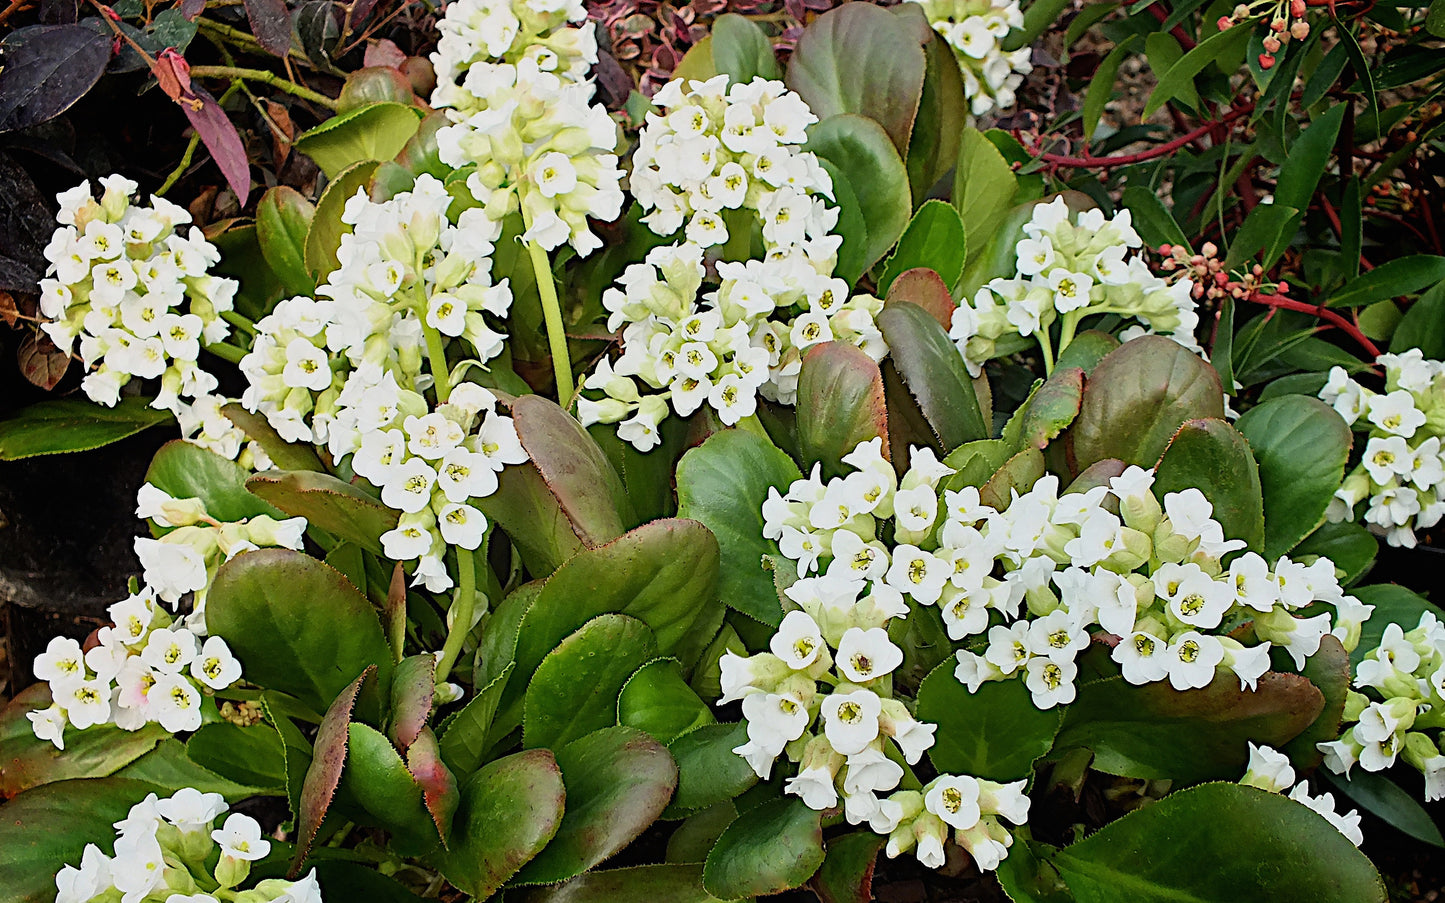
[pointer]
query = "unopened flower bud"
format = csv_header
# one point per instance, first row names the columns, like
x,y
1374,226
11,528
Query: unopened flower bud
x,y
1271,44
1266,61
1300,30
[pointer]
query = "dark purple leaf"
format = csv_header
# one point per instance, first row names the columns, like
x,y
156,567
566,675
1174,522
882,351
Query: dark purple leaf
x,y
271,24
192,8
47,68
360,10
221,138
59,12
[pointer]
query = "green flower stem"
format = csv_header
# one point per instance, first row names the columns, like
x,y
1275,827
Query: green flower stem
x,y
185,163
1047,347
436,357
1071,325
227,352
239,321
217,32
552,313
266,78
463,603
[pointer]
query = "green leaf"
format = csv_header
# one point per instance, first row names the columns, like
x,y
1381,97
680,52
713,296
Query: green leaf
x,y
697,64
772,848
1137,398
942,112
44,829
1423,325
283,217
1268,228
1188,846
376,131
251,755
1211,456
1038,18
872,169
1393,605
1086,351
1163,51
933,239
1101,86
575,689
1302,447
171,767
1329,670
510,809
742,51
1401,276
323,772
618,782
840,404
657,699
859,58
1300,173
996,733
1435,18
1155,224
285,455
576,471
413,690
188,471
327,503
95,752
1216,48
847,872
1382,797
378,779
674,882
934,374
722,484
983,190
1350,546
533,519
71,425
1016,476
464,735
708,769
1051,408
324,237
1155,732
296,624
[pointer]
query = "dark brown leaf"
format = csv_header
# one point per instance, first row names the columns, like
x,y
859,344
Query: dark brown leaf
x,y
41,362
8,311
271,25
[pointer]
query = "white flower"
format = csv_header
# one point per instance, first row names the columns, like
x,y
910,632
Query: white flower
x,y
240,838
798,641
1051,681
1396,414
62,663
175,703
954,798
86,702
49,724
462,525
215,666
864,655
189,808
1269,770
80,885
409,487
1192,658
1347,824
171,569
850,720
169,650
1143,658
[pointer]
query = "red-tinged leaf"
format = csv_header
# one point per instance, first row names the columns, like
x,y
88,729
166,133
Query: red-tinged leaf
x,y
173,74
394,616
575,470
927,289
383,53
271,24
438,785
840,404
47,69
8,311
324,775
281,119
360,10
413,687
222,140
847,872
41,362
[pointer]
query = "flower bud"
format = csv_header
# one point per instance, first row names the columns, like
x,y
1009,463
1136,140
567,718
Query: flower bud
x,y
1266,61
231,871
1131,552
1355,703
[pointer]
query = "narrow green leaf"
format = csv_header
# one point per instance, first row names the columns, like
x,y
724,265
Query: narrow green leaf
x,y
934,374
1101,86
1213,49
1401,276
1156,225
1300,173
66,425
1380,796
983,190
1423,325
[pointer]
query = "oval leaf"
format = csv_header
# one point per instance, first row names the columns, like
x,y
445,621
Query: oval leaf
x,y
575,688
872,169
377,131
772,848
1211,456
934,373
333,505
840,404
283,217
72,425
996,733
574,468
47,69
510,809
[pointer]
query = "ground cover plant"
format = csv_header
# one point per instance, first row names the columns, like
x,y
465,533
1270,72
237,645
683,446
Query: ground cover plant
x,y
717,451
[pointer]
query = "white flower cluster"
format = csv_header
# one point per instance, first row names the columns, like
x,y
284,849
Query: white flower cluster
x,y
203,424
162,850
746,337
1073,270
1401,476
1407,674
1270,770
405,270
144,668
186,559
843,643
135,291
1151,576
976,30
720,148
512,79
430,466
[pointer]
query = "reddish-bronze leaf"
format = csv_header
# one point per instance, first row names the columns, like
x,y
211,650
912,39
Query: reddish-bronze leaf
x,y
412,690
925,288
438,784
324,774
41,362
9,312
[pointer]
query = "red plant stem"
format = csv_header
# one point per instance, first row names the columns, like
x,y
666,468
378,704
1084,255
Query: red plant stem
x,y
1319,310
1162,14
1339,229
1157,151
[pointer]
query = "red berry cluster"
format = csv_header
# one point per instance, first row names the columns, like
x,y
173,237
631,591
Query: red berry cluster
x,y
1286,20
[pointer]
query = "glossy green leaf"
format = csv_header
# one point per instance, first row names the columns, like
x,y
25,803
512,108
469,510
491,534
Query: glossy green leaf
x,y
251,755
934,374
1211,456
742,51
774,847
413,689
377,131
327,228
1137,398
1163,51
847,872
1382,797
1393,605
1423,325
1155,224
1101,86
1052,408
27,761
1300,173
983,190
372,85
378,779
933,239
996,733
1216,48
657,699
859,58
1188,846
283,217
873,171
1329,670
1015,477
1155,732
464,735
169,766
575,470
533,519
1349,545
296,624
1267,228
575,688
333,505
510,809
618,782
188,471
722,484
1302,447
674,882
1401,276
64,425
708,769
942,111
285,455
840,404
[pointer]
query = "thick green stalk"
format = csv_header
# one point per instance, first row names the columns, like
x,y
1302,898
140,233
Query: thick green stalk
x,y
552,314
463,603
